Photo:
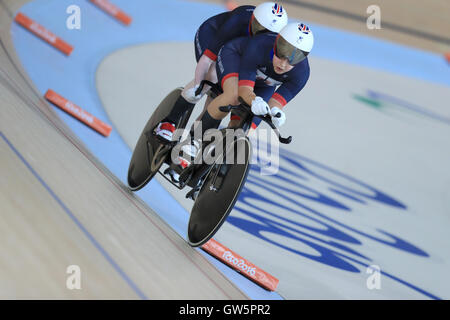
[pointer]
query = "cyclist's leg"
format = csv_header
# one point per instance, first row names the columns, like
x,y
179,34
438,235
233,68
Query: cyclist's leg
x,y
212,116
211,76
205,107
227,69
229,96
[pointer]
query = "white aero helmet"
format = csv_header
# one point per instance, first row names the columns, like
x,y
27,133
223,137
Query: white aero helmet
x,y
294,42
268,16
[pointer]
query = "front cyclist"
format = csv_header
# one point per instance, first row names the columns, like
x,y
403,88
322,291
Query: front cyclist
x,y
252,68
243,21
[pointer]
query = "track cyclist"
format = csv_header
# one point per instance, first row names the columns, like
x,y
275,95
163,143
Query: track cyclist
x,y
266,71
244,21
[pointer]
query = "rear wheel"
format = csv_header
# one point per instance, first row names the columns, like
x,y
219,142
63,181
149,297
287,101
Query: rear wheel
x,y
149,153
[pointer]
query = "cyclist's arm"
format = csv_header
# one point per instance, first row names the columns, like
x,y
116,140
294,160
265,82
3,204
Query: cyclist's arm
x,y
288,90
202,68
275,103
247,72
246,93
227,31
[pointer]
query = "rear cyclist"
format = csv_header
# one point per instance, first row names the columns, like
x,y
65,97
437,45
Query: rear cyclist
x,y
243,21
252,68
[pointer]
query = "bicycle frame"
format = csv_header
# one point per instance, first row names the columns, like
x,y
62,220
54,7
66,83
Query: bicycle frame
x,y
193,175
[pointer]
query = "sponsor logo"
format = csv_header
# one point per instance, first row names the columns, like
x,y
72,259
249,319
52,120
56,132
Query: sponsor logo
x,y
398,108
277,10
239,263
83,115
267,80
303,28
299,210
41,31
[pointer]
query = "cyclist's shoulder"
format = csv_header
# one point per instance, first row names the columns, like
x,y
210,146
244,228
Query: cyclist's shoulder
x,y
257,49
303,66
301,71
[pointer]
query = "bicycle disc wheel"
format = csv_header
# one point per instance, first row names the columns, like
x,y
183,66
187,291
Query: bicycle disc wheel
x,y
144,164
212,207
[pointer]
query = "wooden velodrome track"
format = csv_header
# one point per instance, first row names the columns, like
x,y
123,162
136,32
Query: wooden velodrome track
x,y
61,207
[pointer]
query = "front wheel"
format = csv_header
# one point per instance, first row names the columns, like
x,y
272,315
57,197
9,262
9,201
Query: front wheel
x,y
219,192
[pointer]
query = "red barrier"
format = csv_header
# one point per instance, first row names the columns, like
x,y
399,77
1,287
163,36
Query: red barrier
x,y
43,33
243,266
78,113
113,10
